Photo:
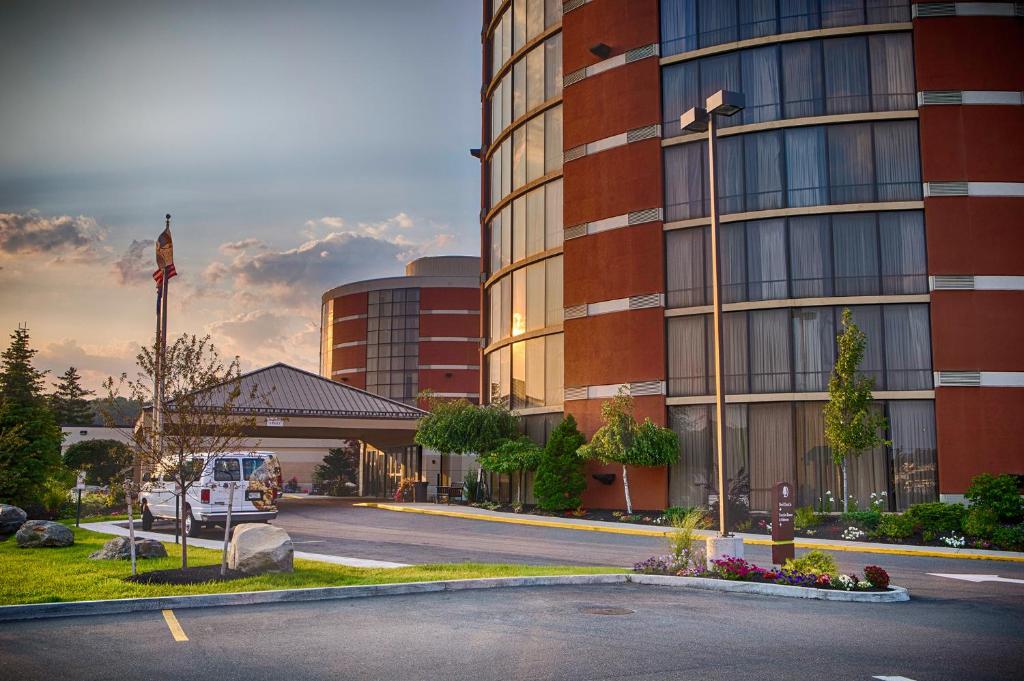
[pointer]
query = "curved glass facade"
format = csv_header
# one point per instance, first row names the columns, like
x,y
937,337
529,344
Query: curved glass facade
x,y
778,355
535,79
688,25
392,343
843,75
520,22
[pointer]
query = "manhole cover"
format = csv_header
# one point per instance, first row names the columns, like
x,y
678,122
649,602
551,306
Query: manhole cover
x,y
601,610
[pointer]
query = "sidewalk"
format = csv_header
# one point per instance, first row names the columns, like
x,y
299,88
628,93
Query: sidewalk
x,y
122,531
471,513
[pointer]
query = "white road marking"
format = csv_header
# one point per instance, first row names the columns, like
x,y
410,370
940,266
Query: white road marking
x,y
892,678
309,541
978,578
172,623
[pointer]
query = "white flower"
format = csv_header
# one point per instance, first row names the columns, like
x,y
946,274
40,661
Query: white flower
x,y
846,582
853,533
953,541
863,585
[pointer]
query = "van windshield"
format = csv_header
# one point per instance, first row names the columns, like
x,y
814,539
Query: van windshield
x,y
225,470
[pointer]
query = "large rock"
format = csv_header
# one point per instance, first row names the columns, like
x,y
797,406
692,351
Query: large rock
x,y
260,548
119,548
39,533
11,518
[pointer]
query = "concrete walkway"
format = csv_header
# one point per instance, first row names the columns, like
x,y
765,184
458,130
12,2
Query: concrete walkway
x,y
473,513
122,531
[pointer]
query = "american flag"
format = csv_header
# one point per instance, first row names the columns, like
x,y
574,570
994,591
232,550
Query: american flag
x,y
164,257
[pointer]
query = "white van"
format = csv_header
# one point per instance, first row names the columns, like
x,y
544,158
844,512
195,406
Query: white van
x,y
257,476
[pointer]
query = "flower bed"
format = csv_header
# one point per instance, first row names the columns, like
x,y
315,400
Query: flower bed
x,y
736,569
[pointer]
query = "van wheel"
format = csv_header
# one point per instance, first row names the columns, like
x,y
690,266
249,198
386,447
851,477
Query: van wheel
x,y
147,519
192,526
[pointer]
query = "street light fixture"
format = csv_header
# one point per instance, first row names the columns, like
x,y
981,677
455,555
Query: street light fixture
x,y
722,103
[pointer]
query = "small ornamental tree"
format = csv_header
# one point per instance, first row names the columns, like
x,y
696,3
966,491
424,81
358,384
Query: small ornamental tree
x,y
559,481
68,401
621,440
851,426
341,465
29,436
202,415
513,457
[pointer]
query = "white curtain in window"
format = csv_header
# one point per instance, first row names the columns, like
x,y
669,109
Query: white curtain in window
x,y
687,360
760,77
766,259
842,12
816,473
680,85
730,175
685,257
887,11
850,163
897,161
813,347
869,319
693,470
734,350
684,181
720,73
772,457
904,269
553,277
806,171
805,84
553,231
678,26
908,362
810,260
552,139
763,170
553,66
798,15
733,262
717,22
855,249
553,369
769,351
892,72
914,461
847,88
736,443
757,18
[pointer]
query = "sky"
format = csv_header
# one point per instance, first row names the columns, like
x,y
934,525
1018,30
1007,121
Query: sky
x,y
297,145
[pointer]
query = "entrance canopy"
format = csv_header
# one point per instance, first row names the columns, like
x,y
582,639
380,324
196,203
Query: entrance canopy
x,y
293,403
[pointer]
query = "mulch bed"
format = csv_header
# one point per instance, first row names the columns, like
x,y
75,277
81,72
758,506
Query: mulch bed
x,y
192,575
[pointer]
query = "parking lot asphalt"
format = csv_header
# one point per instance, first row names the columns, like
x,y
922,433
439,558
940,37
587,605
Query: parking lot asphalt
x,y
634,632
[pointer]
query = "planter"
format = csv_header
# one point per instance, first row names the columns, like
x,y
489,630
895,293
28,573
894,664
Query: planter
x,y
894,594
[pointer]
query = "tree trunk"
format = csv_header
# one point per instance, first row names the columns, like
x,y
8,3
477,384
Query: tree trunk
x,y
846,491
522,487
625,486
184,534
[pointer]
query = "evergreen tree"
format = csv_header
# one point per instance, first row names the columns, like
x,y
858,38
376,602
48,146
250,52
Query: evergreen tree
x,y
29,436
851,425
559,480
69,403
102,460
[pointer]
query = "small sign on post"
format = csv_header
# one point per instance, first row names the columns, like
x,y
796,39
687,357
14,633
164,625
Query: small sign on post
x,y
79,487
782,523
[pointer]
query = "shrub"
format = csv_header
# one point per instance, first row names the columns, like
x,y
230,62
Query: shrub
x,y
865,520
998,493
936,519
813,562
1009,538
805,517
878,577
896,527
655,565
559,480
981,522
680,539
674,512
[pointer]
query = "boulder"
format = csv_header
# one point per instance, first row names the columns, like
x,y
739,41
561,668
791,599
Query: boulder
x,y
39,533
11,518
260,548
119,548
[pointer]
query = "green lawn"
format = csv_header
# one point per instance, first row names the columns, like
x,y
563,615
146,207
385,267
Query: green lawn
x,y
66,574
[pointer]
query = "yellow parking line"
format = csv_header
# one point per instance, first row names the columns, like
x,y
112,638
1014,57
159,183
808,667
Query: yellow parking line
x,y
172,623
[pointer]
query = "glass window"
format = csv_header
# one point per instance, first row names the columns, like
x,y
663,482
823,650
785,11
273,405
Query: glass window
x,y
553,66
553,369
506,167
534,372
687,357
685,254
225,470
847,88
897,161
851,170
908,363
716,22
519,229
534,18
519,25
813,347
734,348
519,302
763,170
721,72
914,461
772,456
806,170
535,221
534,148
684,181
760,78
518,375
506,306
798,15
536,301
810,254
519,157
552,139
553,289
842,12
805,85
892,72
766,259
733,262
494,294
534,78
552,12
554,233
769,351
758,18
903,252
690,476
678,26
869,319
518,89
730,176
496,244
855,245
494,378
680,88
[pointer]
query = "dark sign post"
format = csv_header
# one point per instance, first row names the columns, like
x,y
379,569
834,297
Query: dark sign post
x,y
782,523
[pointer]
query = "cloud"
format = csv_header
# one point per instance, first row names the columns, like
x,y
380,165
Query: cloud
x,y
94,363
263,336
30,233
136,264
239,246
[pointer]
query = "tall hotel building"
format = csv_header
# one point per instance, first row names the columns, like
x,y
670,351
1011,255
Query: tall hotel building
x,y
878,166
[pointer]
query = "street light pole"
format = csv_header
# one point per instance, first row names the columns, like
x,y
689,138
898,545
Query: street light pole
x,y
722,103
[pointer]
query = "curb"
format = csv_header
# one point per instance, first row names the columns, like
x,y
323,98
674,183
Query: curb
x,y
897,594
896,550
35,611
9,613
